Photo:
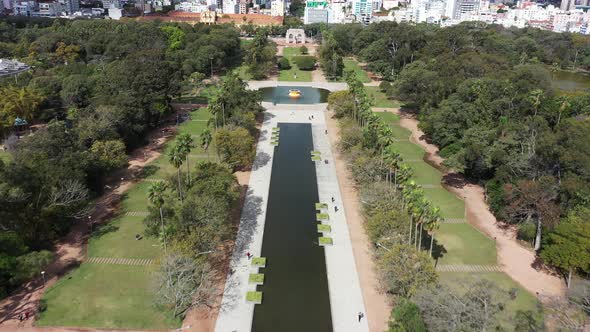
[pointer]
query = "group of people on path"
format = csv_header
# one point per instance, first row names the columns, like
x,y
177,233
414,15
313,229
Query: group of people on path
x,y
24,316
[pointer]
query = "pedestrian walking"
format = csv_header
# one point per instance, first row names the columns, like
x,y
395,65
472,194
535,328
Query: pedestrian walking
x,y
361,315
27,314
335,209
332,199
326,131
21,317
249,255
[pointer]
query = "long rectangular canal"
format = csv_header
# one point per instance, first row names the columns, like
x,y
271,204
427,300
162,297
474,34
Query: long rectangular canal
x,y
295,288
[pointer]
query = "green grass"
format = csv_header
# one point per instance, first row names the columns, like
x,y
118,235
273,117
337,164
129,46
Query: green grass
x,y
316,158
322,216
424,173
450,205
255,297
294,74
105,296
5,156
325,241
259,261
256,278
505,318
392,119
465,245
319,206
324,228
314,152
380,99
361,75
409,150
118,296
117,239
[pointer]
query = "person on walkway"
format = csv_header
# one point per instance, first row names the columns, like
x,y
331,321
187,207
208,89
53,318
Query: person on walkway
x,y
335,209
249,255
360,315
21,317
27,314
332,199
326,131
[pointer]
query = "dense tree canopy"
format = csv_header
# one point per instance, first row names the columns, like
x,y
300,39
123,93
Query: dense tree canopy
x,y
97,87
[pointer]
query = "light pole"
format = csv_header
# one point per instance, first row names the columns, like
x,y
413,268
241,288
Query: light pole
x,y
43,276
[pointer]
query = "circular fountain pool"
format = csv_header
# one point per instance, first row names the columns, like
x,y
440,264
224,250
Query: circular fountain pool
x,y
287,95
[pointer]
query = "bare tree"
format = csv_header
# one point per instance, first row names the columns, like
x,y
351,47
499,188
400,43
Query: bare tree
x,y
183,283
72,197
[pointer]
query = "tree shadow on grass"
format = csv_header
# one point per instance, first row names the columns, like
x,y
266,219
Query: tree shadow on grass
x,y
104,229
146,171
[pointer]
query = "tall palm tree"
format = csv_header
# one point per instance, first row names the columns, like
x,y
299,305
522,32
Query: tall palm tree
x,y
176,158
156,198
392,160
186,143
435,219
206,139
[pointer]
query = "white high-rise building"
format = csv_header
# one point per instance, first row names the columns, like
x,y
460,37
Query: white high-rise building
x,y
277,8
230,7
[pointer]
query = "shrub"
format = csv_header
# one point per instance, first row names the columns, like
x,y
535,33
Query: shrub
x,y
384,86
450,150
284,64
527,231
303,50
304,62
406,317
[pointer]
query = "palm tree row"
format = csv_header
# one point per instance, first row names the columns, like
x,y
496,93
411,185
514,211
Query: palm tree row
x,y
423,215
177,155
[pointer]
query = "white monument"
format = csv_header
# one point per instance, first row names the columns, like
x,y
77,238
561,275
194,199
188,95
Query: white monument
x,y
295,36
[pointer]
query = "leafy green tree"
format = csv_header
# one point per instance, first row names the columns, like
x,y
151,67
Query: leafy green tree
x,y
235,147
406,270
406,317
330,59
568,246
284,64
109,155
260,55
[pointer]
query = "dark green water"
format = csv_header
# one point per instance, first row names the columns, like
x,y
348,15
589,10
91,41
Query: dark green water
x,y
571,82
280,95
295,291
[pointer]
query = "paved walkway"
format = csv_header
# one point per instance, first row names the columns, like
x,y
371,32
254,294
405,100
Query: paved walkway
x,y
235,314
346,298
344,288
469,268
120,261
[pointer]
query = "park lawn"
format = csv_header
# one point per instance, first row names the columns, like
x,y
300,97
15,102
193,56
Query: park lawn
x,y
463,244
524,300
289,75
5,156
450,205
117,239
425,174
289,52
408,150
392,119
135,199
380,99
105,296
361,75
